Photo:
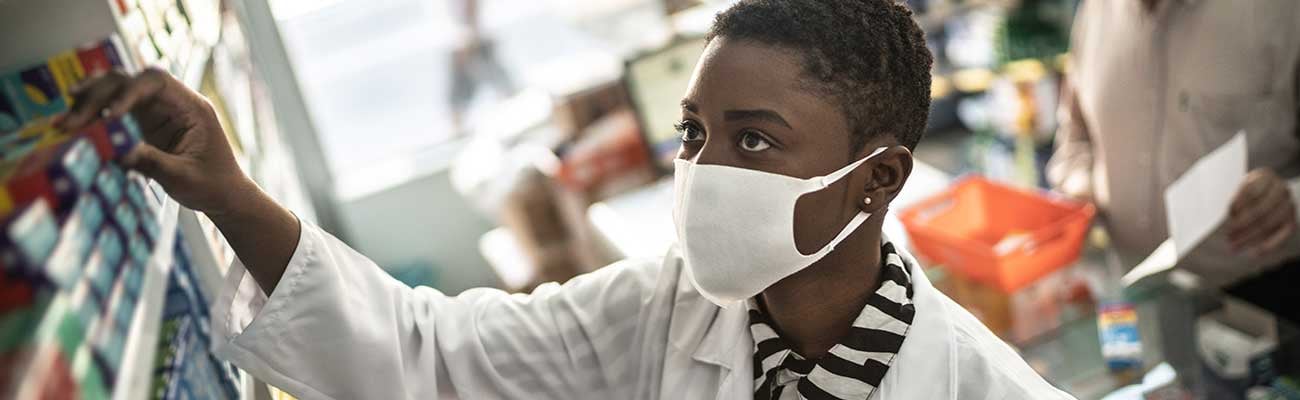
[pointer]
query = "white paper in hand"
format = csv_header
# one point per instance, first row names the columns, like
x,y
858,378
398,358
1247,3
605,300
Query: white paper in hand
x,y
1198,201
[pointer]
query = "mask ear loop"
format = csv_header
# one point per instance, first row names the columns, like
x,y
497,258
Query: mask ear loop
x,y
853,225
832,177
858,219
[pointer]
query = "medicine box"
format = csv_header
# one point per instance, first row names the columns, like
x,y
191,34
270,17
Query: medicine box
x,y
37,92
109,183
28,239
57,174
100,57
123,134
67,72
10,118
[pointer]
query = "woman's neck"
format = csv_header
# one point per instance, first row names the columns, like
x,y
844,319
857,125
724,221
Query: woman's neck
x,y
815,308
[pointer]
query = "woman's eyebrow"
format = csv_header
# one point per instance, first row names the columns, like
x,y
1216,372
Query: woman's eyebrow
x,y
689,106
759,114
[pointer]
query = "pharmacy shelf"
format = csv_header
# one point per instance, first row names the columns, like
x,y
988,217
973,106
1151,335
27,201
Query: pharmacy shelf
x,y
195,67
136,375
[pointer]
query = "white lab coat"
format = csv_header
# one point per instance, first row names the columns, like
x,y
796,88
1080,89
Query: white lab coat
x,y
338,327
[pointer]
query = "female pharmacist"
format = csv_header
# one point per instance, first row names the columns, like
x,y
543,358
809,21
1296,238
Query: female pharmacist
x,y
768,293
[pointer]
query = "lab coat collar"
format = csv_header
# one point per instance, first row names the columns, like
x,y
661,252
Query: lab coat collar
x,y
725,330
728,334
928,349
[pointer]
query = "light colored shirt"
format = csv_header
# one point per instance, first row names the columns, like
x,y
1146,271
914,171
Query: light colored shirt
x,y
1150,92
338,327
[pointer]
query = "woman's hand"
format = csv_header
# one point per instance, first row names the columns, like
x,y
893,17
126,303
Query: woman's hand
x,y
186,151
185,148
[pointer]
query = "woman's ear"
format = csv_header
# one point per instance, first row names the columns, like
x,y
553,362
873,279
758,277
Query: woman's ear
x,y
889,171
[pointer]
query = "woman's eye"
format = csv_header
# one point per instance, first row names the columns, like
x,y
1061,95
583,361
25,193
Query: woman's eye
x,y
689,132
753,142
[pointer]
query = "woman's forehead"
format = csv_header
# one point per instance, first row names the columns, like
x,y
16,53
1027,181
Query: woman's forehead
x,y
746,74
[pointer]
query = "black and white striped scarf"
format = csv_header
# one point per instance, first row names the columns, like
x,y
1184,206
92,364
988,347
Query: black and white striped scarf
x,y
855,366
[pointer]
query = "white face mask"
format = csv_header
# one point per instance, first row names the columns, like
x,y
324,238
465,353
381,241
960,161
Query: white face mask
x,y
735,226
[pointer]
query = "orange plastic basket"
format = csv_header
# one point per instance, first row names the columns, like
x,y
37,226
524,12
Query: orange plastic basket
x,y
996,234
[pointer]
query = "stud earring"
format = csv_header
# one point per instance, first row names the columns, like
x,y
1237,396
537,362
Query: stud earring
x,y
867,201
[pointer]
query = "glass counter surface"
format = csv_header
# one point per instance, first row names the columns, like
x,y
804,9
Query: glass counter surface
x,y
1070,355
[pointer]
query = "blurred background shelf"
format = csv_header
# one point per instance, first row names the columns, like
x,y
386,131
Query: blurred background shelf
x,y
135,379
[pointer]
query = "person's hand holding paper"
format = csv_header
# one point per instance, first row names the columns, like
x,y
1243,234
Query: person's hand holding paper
x,y
1262,216
1257,212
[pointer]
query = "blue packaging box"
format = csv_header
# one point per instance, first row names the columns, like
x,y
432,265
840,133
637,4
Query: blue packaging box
x,y
123,134
138,249
10,119
36,92
109,183
29,238
125,218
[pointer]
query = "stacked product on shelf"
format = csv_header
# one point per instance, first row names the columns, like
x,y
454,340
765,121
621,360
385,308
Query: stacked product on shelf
x,y
172,34
184,369
77,232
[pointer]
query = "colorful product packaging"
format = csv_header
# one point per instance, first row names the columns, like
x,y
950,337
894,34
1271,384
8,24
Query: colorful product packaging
x,y
93,276
10,118
17,326
6,204
37,92
125,219
15,147
28,239
97,134
138,249
100,57
78,238
109,249
49,377
109,183
57,174
14,294
67,72
133,279
1121,346
135,194
109,345
123,134
86,306
88,376
75,240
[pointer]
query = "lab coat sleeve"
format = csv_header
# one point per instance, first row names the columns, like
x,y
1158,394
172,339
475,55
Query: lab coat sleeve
x,y
988,368
338,327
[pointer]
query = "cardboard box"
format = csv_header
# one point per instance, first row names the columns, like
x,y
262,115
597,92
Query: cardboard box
x,y
550,227
575,111
1029,312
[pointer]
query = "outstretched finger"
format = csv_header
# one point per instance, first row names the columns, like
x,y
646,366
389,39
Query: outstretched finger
x,y
91,100
145,86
